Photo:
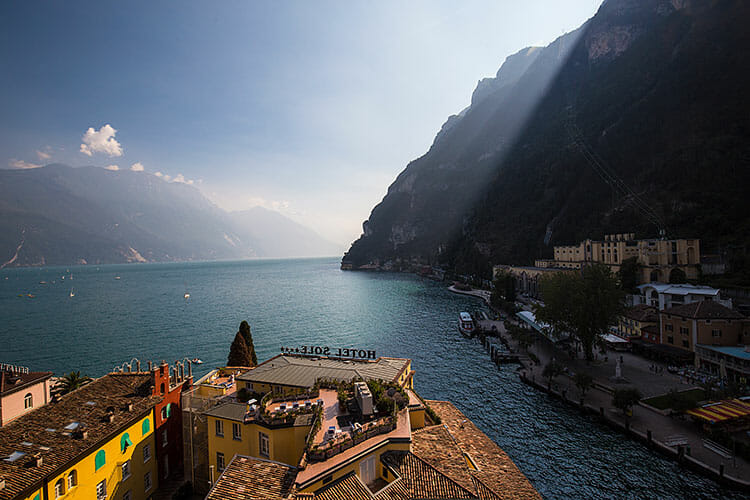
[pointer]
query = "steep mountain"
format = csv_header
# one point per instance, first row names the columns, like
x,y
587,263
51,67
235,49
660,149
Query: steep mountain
x,y
279,236
63,215
637,121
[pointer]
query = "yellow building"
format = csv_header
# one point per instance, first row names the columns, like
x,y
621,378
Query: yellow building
x,y
95,443
659,259
302,441
635,319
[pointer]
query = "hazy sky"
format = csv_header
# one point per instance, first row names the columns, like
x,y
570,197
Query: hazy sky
x,y
308,107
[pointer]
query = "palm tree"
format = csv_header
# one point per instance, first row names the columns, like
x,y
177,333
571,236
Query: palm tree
x,y
71,382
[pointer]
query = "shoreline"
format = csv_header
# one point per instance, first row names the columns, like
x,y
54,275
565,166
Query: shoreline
x,y
681,454
479,294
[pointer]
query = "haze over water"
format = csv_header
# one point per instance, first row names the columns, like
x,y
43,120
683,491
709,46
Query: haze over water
x,y
292,302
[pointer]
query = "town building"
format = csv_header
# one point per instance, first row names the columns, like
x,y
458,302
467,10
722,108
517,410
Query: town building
x,y
660,260
96,442
634,320
527,278
324,427
665,295
21,391
705,323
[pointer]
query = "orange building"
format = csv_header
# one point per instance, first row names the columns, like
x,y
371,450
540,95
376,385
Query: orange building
x,y
705,322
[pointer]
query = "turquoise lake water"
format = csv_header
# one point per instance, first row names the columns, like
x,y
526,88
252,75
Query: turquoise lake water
x,y
293,302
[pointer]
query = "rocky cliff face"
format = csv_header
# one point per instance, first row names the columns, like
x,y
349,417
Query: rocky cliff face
x,y
653,88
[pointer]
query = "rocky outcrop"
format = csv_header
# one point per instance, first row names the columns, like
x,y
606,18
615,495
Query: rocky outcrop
x,y
655,88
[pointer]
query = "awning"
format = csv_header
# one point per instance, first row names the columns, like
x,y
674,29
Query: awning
x,y
722,411
614,339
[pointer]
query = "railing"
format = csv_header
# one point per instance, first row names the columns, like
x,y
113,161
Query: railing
x,y
338,445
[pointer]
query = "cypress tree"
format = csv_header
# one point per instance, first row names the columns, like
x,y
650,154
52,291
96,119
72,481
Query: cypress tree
x,y
239,355
245,332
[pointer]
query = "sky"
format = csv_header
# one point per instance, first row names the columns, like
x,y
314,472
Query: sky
x,y
308,108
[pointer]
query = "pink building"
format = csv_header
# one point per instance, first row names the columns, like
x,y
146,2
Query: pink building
x,y
21,391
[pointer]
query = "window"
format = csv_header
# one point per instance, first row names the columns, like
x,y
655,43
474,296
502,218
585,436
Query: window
x,y
59,488
146,453
166,466
28,401
670,340
716,333
161,387
147,481
164,413
101,490
219,461
236,432
685,343
169,410
72,479
145,426
125,442
128,495
668,327
683,330
126,470
220,428
164,436
263,441
99,460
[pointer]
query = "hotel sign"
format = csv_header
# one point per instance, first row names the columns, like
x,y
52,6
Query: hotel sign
x,y
336,352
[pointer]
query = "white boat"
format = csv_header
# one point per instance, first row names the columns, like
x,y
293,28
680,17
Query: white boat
x,y
196,361
465,324
71,292
187,295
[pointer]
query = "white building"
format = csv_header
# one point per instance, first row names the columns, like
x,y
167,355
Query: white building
x,y
665,295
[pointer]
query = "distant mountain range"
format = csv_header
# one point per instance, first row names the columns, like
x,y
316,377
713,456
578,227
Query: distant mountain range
x,y
636,122
59,215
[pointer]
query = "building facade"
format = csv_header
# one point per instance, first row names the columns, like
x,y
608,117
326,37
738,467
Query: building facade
x,y
702,323
95,443
660,260
21,391
663,295
634,320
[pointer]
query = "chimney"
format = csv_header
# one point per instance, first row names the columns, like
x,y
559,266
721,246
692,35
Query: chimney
x,y
149,366
2,484
137,365
129,407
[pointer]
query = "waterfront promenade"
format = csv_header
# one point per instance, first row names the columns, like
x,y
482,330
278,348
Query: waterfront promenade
x,y
664,430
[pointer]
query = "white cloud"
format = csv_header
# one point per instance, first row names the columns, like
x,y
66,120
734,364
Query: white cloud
x,y
281,206
136,167
20,164
181,178
114,168
101,141
43,156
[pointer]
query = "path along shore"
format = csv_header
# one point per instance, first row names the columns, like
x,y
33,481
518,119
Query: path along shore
x,y
646,425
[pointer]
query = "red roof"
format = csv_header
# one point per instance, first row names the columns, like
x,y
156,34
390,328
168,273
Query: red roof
x,y
704,309
11,382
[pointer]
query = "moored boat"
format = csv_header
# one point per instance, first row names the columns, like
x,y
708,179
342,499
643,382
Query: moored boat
x,y
465,324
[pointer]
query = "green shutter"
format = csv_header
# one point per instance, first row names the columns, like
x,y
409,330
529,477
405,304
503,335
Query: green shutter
x,y
145,426
125,442
99,460
169,410
36,497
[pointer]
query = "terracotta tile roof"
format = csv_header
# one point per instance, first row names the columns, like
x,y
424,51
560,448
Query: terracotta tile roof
x,y
642,313
43,428
247,478
496,471
435,446
650,329
11,382
704,309
422,480
349,487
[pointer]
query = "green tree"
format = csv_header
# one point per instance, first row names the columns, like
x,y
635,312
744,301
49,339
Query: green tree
x,y
628,274
245,331
625,399
551,370
583,382
583,304
70,382
239,354
503,290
